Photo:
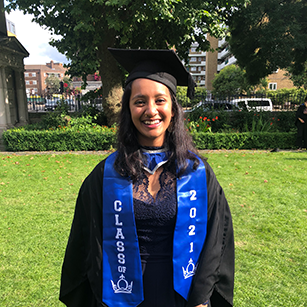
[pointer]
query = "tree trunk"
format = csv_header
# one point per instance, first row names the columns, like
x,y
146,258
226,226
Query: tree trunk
x,y
111,77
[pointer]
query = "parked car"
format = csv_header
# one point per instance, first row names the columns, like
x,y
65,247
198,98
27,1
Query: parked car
x,y
254,104
36,100
212,105
220,106
51,104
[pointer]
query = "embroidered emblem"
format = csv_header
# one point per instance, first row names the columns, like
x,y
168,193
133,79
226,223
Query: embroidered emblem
x,y
190,269
125,288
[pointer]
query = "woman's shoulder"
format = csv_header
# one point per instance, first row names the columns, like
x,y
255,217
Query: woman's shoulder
x,y
95,176
209,171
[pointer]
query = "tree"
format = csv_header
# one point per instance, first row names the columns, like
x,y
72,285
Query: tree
x,y
89,27
229,82
52,84
269,34
68,81
299,80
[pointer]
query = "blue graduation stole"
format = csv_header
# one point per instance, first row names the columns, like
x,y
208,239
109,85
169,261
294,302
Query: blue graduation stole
x,y
122,271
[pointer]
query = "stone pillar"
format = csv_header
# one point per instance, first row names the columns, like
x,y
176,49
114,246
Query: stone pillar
x,y
3,102
21,98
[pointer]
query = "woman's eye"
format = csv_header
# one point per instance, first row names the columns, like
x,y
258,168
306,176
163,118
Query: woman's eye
x,y
139,102
161,100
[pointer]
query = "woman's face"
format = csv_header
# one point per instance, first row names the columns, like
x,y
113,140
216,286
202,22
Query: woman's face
x,y
151,111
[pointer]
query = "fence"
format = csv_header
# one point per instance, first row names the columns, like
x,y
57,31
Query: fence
x,y
280,101
73,103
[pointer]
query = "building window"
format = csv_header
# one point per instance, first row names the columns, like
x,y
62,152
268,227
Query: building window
x,y
193,49
193,68
34,82
26,74
199,68
27,82
273,86
33,74
193,59
35,90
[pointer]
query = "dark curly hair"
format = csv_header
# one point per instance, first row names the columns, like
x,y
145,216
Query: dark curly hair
x,y
129,160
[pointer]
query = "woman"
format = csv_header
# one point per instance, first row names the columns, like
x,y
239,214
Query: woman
x,y
301,123
152,226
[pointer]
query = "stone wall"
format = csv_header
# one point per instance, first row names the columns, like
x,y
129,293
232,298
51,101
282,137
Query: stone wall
x,y
13,102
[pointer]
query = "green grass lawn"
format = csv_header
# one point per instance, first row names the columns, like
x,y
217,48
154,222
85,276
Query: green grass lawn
x,y
266,192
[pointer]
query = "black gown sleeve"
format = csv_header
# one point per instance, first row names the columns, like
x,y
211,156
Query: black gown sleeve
x,y
81,283
214,278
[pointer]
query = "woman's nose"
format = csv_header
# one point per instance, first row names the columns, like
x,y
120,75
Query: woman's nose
x,y
151,109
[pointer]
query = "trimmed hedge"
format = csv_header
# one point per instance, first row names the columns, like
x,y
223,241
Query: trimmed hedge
x,y
67,140
58,140
248,140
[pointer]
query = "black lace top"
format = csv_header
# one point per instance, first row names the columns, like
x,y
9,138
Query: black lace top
x,y
155,217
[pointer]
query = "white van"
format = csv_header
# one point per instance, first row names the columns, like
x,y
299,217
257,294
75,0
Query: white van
x,y
254,104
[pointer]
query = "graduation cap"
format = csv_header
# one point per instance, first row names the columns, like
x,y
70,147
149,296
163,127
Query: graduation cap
x,y
162,65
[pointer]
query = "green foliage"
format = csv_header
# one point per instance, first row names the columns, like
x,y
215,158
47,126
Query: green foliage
x,y
244,121
248,140
98,116
259,125
181,95
87,28
230,82
263,121
282,96
202,124
58,131
62,107
105,138
299,80
68,81
51,120
262,41
98,138
52,84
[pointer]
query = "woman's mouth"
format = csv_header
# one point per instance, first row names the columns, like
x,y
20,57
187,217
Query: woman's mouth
x,y
151,122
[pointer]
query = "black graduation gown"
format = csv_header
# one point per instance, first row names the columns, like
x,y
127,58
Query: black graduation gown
x,y
301,139
81,280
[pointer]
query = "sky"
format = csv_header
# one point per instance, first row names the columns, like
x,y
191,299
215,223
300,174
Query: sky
x,y
35,40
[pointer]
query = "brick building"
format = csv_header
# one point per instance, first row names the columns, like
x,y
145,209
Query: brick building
x,y
93,82
279,80
204,65
35,76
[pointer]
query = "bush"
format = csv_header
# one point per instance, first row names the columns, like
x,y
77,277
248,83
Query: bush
x,y
244,121
105,139
293,95
59,140
248,140
184,101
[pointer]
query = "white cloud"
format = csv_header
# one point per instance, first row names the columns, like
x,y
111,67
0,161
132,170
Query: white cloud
x,y
35,39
